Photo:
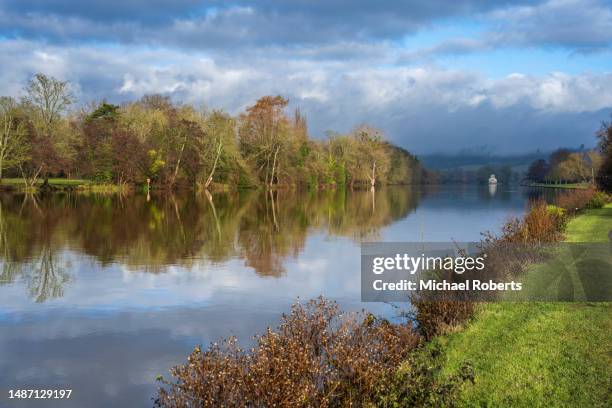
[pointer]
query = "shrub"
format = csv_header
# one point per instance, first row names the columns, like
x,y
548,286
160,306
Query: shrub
x,y
541,224
559,215
318,356
598,200
435,317
574,200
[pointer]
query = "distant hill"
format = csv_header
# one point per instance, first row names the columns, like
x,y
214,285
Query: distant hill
x,y
468,161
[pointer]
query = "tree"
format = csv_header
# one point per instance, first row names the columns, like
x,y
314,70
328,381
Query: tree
x,y
217,145
129,157
96,153
372,161
47,98
50,97
558,156
143,120
263,132
604,175
13,136
575,168
404,168
105,111
538,170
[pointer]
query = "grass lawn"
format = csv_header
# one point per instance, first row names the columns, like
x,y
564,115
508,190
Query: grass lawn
x,y
591,226
52,181
539,354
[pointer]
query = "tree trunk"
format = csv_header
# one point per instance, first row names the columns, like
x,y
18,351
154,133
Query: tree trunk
x,y
274,165
212,172
30,181
373,177
178,163
267,168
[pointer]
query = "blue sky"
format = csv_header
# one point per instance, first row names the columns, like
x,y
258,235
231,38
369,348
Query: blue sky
x,y
434,75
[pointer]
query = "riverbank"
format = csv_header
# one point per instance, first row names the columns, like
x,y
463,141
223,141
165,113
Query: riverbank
x,y
57,182
559,185
535,354
61,184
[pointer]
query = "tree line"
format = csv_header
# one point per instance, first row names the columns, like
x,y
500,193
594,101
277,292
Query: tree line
x,y
582,166
471,175
175,145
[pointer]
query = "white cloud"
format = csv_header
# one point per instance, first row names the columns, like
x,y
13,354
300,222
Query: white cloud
x,y
335,95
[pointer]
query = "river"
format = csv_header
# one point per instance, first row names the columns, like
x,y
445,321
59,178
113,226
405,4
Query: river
x,y
103,293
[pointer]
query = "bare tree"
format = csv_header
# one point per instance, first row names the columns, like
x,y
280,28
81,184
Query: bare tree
x,y
49,97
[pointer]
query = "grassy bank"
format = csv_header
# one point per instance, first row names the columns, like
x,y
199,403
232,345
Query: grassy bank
x,y
560,185
591,226
63,184
52,181
539,354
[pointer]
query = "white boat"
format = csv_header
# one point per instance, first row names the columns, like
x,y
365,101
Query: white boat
x,y
492,179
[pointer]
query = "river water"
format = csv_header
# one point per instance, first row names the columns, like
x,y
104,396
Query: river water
x,y
103,293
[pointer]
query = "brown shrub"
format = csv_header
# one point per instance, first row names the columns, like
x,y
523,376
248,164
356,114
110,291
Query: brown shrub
x,y
437,317
318,356
575,200
539,225
507,256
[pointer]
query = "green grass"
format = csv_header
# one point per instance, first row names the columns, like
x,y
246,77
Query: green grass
x,y
52,181
535,354
81,184
591,226
539,354
560,185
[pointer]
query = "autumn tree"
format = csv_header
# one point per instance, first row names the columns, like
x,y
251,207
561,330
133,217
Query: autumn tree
x,y
166,131
129,159
264,131
575,168
373,160
176,145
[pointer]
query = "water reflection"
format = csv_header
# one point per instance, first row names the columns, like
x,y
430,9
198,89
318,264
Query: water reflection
x,y
262,228
103,293
492,189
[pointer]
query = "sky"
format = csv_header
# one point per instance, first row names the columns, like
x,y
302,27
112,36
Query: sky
x,y
503,77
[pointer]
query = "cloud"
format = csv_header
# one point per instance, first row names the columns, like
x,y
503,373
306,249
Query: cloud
x,y
147,11
580,26
423,108
215,24
313,29
342,62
